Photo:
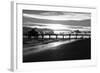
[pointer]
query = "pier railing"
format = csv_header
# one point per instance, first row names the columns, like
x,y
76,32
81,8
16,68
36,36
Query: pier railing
x,y
62,36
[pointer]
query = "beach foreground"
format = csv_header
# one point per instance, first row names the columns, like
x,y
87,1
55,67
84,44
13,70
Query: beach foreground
x,y
75,50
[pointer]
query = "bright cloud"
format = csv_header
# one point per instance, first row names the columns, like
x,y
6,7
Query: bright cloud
x,y
57,20
71,16
57,27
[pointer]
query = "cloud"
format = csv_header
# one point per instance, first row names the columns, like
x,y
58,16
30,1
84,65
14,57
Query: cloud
x,y
52,13
56,27
59,16
57,20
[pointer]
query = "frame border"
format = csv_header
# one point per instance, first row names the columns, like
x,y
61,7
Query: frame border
x,y
14,42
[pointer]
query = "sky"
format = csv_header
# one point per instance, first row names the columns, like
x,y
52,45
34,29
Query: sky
x,y
57,20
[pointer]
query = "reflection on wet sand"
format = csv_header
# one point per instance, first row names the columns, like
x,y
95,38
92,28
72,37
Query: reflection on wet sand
x,y
49,46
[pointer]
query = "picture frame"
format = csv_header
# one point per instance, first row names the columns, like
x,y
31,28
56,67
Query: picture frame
x,y
17,12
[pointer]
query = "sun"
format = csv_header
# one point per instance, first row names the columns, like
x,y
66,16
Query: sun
x,y
56,26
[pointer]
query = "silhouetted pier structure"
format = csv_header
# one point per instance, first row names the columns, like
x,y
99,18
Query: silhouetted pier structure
x,y
63,36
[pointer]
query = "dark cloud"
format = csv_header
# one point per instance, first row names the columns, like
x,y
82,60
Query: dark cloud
x,y
44,12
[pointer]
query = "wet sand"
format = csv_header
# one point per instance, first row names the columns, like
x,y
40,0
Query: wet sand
x,y
78,50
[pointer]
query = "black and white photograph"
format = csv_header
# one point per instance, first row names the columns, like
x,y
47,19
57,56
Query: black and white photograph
x,y
56,35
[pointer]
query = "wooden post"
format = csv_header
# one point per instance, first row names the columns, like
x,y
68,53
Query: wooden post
x,y
69,36
56,36
76,35
82,36
49,36
89,36
63,36
42,36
